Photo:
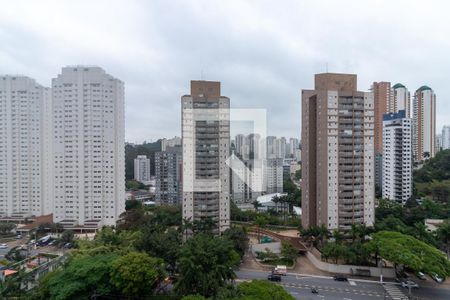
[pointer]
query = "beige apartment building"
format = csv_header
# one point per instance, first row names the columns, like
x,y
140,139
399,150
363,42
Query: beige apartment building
x,y
206,147
337,153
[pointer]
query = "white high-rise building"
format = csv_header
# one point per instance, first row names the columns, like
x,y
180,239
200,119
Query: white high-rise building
x,y
25,148
142,169
445,138
280,147
401,100
273,175
397,157
89,167
424,124
293,146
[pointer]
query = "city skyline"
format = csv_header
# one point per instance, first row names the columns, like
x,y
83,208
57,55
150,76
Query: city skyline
x,y
255,76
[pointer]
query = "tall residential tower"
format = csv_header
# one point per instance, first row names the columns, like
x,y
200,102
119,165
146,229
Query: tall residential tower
x,y
89,146
397,157
25,148
206,148
424,123
338,153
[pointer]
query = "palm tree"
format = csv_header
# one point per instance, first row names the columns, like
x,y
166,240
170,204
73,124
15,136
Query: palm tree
x,y
256,204
323,234
276,200
338,236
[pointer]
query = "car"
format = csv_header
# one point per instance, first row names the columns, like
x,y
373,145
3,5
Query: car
x,y
3,246
421,275
340,277
436,277
19,236
409,283
274,277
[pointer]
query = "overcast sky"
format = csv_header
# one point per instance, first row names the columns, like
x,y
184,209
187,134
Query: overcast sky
x,y
263,52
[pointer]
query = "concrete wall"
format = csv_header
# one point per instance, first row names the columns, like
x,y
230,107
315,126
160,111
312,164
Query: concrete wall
x,y
347,269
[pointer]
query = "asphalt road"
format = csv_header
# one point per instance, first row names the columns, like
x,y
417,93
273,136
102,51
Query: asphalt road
x,y
355,289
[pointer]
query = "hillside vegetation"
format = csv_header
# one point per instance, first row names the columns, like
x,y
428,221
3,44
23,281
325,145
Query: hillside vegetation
x,y
433,179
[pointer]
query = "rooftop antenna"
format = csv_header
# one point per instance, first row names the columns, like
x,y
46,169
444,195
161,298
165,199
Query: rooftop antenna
x,y
201,75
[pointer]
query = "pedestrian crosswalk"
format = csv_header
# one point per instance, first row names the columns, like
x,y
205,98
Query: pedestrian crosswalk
x,y
394,292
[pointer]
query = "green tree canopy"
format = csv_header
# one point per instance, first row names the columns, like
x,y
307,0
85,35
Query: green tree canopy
x,y
81,277
288,250
238,236
262,290
205,263
136,273
402,249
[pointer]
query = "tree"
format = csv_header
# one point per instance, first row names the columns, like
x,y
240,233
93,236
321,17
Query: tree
x,y
6,227
193,297
161,244
66,237
323,234
405,250
205,263
443,233
136,274
288,250
238,236
334,251
132,204
204,225
81,277
260,222
263,290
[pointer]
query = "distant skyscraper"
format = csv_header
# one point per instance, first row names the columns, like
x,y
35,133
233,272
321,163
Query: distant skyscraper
x,y
142,169
206,147
401,100
25,148
254,141
280,147
173,142
397,157
293,146
168,176
273,175
89,152
239,143
424,123
271,147
247,179
337,153
382,105
445,139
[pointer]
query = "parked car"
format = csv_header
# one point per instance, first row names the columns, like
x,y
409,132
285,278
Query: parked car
x,y
340,277
409,283
19,236
436,277
274,277
3,246
421,275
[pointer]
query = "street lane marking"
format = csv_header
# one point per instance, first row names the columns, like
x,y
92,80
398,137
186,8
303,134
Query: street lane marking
x,y
352,282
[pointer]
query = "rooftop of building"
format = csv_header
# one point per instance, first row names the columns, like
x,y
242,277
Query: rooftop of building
x,y
424,88
398,85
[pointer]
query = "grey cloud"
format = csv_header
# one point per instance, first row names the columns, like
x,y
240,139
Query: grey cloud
x,y
263,52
